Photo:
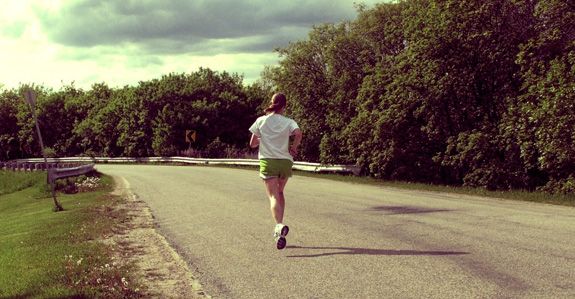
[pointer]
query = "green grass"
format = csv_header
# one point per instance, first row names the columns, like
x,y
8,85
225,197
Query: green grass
x,y
12,181
44,254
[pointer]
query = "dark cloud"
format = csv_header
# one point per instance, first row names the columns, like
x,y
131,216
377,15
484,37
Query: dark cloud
x,y
209,46
202,26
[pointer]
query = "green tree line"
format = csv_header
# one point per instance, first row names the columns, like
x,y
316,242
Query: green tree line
x,y
478,93
150,119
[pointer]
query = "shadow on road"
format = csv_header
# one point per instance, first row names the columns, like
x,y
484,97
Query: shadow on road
x,y
368,251
395,210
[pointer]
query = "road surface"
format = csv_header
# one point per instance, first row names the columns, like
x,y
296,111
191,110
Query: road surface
x,y
355,241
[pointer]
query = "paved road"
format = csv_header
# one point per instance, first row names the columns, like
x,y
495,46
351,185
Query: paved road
x,y
354,241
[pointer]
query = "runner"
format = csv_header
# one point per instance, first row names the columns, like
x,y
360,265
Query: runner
x,y
271,132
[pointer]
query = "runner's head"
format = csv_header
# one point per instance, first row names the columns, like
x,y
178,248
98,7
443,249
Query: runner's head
x,y
277,103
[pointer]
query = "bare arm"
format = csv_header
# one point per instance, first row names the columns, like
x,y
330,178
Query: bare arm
x,y
254,141
296,142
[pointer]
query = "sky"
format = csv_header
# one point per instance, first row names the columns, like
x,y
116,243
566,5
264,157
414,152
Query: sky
x,y
55,43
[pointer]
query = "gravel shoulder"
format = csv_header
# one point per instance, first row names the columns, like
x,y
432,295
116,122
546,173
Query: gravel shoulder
x,y
158,265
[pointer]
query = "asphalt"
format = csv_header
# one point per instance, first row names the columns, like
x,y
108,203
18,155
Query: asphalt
x,y
355,241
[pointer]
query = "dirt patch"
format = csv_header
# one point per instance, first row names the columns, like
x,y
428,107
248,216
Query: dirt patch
x,y
158,266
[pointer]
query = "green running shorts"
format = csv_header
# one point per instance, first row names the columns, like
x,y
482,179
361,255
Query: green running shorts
x,y
275,168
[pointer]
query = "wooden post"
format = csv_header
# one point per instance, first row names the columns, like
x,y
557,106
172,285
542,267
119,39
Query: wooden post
x,y
30,97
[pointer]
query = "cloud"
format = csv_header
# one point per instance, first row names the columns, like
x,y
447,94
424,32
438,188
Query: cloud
x,y
132,57
123,42
215,26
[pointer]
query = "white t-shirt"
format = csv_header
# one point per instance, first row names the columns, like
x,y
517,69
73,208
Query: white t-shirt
x,y
274,131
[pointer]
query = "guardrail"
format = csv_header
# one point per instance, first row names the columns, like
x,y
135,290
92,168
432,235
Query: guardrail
x,y
18,165
60,173
298,165
56,170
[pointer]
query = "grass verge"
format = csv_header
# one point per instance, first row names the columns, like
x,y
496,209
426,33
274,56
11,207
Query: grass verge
x,y
12,181
44,254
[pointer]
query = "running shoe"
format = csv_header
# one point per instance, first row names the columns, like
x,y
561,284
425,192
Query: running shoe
x,y
279,235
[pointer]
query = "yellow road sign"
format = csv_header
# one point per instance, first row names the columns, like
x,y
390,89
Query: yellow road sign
x,y
191,136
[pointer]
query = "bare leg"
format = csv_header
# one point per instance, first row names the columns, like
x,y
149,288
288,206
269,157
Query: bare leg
x,y
277,202
275,188
281,185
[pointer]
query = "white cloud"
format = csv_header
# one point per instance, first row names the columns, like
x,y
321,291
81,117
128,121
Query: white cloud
x,y
121,42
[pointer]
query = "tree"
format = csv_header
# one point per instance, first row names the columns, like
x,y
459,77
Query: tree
x,y
544,111
99,131
9,144
303,75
